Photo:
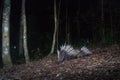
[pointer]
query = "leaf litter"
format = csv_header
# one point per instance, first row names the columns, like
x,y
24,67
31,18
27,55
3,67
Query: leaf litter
x,y
103,64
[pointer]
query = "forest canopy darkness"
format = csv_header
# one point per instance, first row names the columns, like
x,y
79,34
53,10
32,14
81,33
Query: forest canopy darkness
x,y
82,18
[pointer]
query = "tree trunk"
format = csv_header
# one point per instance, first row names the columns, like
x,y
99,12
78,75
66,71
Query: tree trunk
x,y
111,25
21,50
102,32
67,25
23,24
5,34
55,29
78,21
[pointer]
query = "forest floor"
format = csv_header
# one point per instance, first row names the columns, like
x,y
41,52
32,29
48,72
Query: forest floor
x,y
103,64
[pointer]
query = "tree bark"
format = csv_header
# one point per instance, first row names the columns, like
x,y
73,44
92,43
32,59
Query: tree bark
x,y
5,34
67,25
55,29
21,50
111,25
23,24
102,32
78,21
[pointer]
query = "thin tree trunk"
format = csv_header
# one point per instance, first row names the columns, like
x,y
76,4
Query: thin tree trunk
x,y
57,33
111,23
5,34
23,21
21,50
78,21
55,29
67,25
102,32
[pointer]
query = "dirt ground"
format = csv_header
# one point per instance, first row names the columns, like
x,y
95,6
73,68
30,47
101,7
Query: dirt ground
x,y
103,64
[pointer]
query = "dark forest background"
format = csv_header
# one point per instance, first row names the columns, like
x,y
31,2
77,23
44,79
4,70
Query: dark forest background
x,y
85,20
